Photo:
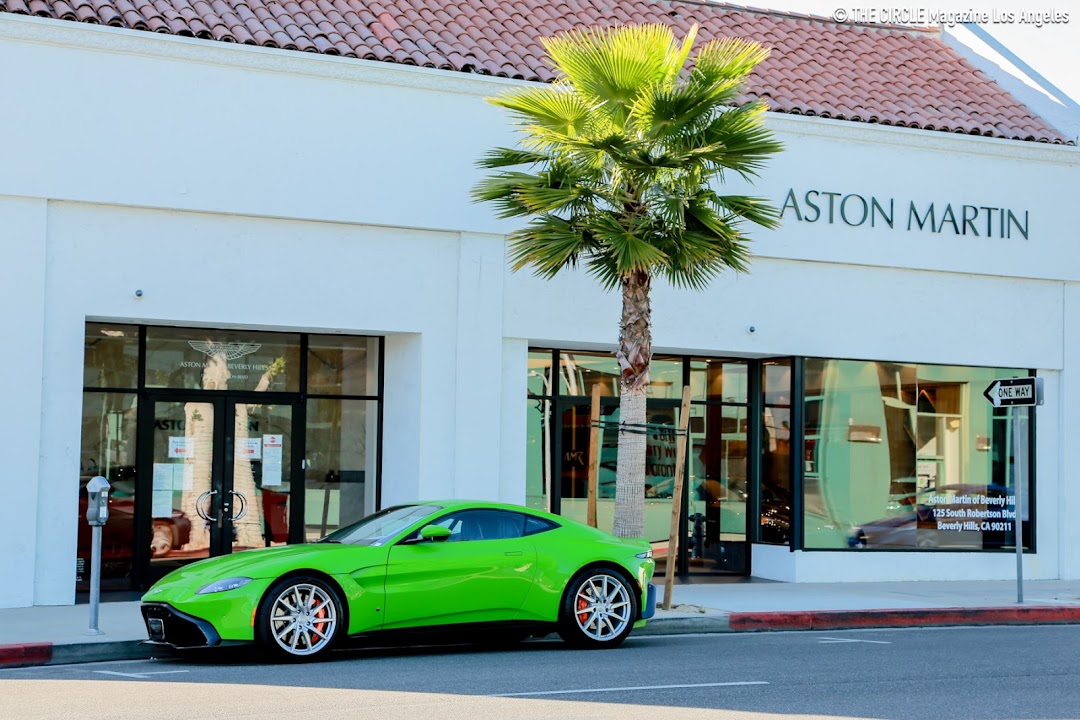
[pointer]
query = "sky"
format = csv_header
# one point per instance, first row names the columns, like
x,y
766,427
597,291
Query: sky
x,y
1043,33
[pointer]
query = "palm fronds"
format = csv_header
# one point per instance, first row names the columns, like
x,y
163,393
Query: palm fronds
x,y
619,157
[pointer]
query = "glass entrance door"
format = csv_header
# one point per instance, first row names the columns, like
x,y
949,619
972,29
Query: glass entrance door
x,y
186,488
258,474
217,478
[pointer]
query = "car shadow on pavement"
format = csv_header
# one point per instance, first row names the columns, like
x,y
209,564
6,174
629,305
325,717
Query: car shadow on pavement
x,y
250,655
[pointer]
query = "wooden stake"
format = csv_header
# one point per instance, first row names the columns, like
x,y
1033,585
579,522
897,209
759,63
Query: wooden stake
x,y
594,455
677,496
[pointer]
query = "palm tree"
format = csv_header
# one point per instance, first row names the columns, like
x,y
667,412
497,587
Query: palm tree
x,y
615,170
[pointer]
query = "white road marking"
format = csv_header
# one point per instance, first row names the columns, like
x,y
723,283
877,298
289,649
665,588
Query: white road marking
x,y
140,676
828,641
623,689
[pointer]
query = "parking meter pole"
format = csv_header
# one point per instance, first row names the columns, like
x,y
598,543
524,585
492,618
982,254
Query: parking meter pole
x,y
1018,494
95,580
97,514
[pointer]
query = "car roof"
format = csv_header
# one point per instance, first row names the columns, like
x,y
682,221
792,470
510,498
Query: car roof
x,y
458,503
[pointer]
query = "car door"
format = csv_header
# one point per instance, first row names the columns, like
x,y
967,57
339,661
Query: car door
x,y
480,573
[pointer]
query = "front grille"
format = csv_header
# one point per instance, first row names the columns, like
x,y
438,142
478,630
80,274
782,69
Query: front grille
x,y
167,625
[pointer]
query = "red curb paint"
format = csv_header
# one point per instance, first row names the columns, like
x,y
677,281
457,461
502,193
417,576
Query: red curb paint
x,y
1046,614
25,654
771,621
841,619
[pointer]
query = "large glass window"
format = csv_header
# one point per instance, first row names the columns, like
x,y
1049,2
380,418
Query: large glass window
x,y
718,486
575,425
558,454
108,449
296,415
580,371
538,442
111,356
718,381
905,456
201,359
338,365
340,461
776,492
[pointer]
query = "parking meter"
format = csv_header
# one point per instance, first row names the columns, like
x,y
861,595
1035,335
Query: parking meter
x,y
97,506
97,514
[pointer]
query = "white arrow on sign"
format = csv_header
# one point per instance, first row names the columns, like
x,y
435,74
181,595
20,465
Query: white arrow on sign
x,y
1012,391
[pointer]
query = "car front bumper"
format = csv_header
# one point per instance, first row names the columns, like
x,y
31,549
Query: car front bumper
x,y
649,609
165,625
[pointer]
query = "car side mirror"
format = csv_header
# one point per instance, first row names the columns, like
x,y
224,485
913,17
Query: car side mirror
x,y
435,533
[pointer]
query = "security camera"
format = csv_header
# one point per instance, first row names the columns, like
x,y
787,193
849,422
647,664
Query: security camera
x,y
751,329
138,293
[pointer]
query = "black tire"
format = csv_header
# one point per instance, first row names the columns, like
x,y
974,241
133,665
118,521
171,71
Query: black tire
x,y
300,618
611,619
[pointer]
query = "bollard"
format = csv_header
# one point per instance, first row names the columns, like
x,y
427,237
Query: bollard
x,y
97,514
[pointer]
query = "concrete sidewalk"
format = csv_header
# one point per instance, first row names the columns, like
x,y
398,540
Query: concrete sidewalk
x,y
56,635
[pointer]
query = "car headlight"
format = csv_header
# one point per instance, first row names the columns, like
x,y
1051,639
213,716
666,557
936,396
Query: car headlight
x,y
223,585
644,555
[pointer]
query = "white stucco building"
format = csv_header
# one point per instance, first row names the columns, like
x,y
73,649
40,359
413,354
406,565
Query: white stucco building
x,y
164,199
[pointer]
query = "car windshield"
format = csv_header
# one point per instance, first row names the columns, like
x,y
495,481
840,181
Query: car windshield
x,y
380,527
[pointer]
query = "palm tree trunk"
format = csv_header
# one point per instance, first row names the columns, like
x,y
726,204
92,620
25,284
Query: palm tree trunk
x,y
635,358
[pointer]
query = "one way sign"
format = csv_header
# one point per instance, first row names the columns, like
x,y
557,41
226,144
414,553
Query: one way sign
x,y
1015,391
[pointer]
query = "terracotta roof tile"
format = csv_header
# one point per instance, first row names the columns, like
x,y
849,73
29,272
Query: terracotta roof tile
x,y
887,75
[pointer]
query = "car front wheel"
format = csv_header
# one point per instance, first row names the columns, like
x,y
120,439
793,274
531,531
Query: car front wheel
x,y
598,610
300,618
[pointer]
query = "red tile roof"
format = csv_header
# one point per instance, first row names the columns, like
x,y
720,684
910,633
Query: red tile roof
x,y
887,75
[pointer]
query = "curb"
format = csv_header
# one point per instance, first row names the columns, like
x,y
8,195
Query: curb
x,y
854,619
686,625
920,617
25,654
33,654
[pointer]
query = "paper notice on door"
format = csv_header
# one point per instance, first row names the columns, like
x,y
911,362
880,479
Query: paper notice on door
x,y
181,447
271,459
161,506
163,476
184,476
251,448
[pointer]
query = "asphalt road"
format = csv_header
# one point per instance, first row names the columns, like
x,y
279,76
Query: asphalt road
x,y
981,673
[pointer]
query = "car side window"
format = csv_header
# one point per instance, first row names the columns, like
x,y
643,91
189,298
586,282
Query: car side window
x,y
534,525
473,525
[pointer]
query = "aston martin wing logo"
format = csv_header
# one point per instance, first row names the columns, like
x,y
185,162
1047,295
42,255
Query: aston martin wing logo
x,y
231,351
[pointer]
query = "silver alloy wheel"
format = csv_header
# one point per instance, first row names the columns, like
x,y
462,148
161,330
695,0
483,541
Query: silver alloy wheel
x,y
602,607
302,619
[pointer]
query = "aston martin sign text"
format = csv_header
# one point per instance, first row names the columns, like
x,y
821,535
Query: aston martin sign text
x,y
854,210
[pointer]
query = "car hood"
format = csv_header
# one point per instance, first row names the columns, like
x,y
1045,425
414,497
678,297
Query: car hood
x,y
331,558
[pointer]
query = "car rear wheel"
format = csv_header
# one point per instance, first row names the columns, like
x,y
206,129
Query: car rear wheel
x,y
598,609
300,618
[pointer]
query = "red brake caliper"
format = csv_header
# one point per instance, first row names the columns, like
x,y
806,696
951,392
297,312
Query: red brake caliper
x,y
322,613
583,617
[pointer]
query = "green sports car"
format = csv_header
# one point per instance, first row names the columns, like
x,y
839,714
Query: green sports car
x,y
416,569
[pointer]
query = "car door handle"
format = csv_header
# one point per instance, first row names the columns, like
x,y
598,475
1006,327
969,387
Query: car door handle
x,y
513,553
